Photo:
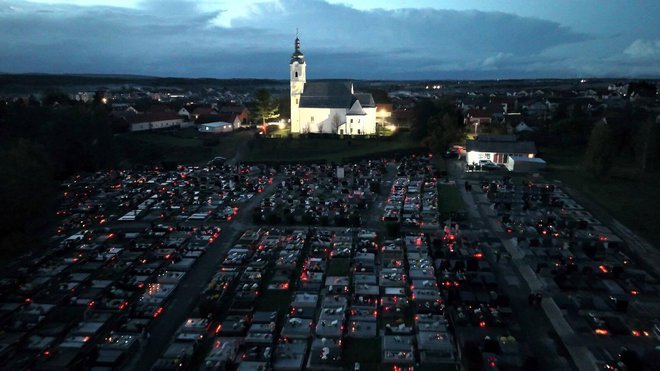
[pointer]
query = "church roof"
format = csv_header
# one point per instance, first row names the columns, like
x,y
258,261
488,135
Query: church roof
x,y
356,109
326,94
333,94
366,99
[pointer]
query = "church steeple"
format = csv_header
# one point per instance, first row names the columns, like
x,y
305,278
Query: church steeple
x,y
298,78
297,55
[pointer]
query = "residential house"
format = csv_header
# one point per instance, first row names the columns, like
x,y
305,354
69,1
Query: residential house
x,y
185,113
238,113
153,121
216,127
201,111
498,148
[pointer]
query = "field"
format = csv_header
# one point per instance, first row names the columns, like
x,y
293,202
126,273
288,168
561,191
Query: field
x,y
185,146
628,196
330,149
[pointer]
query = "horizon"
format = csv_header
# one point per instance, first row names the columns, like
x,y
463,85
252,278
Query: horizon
x,y
285,80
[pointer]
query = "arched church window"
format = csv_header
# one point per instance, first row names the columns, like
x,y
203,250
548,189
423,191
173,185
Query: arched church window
x,y
296,73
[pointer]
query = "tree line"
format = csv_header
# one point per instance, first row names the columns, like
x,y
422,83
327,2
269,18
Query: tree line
x,y
41,144
437,124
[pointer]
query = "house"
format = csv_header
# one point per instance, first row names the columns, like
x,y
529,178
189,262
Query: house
x,y
498,148
537,108
231,118
524,164
522,127
327,106
480,116
184,113
238,113
216,127
201,111
123,107
153,121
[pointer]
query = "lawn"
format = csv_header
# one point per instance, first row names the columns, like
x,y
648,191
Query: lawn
x,y
274,300
449,199
365,351
326,149
185,146
626,195
339,267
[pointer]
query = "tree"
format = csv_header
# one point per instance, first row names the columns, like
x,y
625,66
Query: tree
x,y
444,131
647,139
266,107
336,123
26,191
600,150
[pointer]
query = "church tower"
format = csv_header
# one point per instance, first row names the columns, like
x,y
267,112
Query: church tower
x,y
298,79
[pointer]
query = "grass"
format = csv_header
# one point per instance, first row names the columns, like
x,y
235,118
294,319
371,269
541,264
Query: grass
x,y
339,267
185,146
449,199
365,351
325,149
626,195
274,300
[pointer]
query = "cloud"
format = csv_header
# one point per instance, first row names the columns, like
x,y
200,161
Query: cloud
x,y
184,38
643,49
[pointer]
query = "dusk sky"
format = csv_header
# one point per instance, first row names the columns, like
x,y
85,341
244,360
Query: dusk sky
x,y
398,39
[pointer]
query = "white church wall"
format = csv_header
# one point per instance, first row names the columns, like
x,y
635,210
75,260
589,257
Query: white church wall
x,y
370,120
315,120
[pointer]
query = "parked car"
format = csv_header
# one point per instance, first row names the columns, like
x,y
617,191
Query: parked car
x,y
487,165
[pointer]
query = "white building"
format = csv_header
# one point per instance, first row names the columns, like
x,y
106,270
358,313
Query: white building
x,y
216,127
154,121
498,148
327,106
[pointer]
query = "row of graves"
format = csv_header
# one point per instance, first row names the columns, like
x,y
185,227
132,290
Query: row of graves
x,y
322,195
228,330
478,309
187,194
320,299
88,302
607,299
125,241
413,198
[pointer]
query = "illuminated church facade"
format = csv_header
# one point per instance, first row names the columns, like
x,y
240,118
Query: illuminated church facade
x,y
331,107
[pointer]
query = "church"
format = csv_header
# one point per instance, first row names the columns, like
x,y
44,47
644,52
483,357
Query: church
x,y
331,107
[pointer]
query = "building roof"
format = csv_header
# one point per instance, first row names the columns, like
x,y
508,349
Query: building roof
x,y
233,109
326,94
535,160
218,124
152,117
356,109
501,147
474,112
496,138
199,111
333,94
366,99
